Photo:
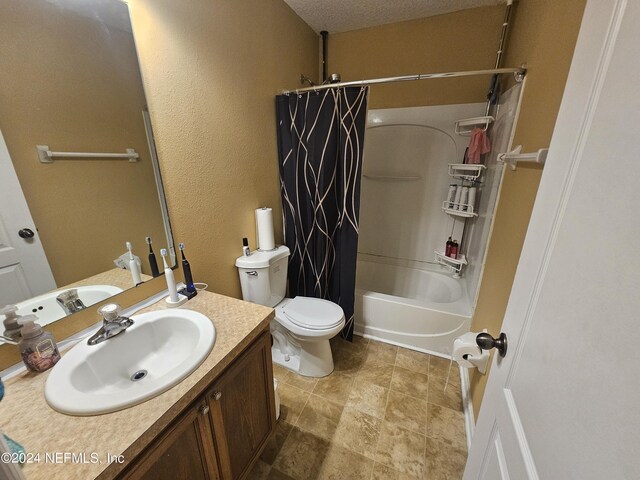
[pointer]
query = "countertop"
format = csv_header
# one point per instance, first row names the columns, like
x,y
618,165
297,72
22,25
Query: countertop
x,y
118,277
26,417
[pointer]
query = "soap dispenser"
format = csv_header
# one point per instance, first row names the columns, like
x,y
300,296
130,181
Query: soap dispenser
x,y
11,322
37,347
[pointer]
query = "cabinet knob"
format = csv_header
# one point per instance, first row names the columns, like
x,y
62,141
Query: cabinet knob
x,y
217,395
204,409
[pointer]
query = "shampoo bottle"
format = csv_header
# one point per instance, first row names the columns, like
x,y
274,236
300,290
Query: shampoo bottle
x,y
447,250
454,249
37,347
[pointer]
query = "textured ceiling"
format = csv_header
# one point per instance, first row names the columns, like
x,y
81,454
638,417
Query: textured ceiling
x,y
343,15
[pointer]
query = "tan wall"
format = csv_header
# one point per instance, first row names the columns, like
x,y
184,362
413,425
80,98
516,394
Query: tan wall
x,y
464,40
543,36
69,82
211,70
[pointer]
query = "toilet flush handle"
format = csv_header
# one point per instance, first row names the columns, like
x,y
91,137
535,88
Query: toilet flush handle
x,y
253,273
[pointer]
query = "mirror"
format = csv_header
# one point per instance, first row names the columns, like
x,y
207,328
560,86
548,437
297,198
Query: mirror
x,y
71,91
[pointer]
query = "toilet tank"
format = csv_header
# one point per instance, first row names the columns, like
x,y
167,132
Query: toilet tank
x,y
263,276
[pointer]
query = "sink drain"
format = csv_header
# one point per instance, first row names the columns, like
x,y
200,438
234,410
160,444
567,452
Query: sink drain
x,y
139,375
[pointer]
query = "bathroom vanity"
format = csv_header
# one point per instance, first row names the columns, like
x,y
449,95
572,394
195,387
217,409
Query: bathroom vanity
x,y
212,425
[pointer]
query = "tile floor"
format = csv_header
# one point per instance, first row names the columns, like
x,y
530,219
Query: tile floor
x,y
382,414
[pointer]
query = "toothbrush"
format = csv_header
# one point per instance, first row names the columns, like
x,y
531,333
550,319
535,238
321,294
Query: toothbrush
x,y
186,268
171,281
152,259
133,266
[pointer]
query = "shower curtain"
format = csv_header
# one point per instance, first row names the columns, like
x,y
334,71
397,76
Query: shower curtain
x,y
320,144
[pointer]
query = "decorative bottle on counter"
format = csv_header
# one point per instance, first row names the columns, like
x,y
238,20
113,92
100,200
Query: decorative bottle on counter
x,y
37,347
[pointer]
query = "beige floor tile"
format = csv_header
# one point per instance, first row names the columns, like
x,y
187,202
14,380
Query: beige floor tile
x,y
292,401
280,372
376,372
451,397
348,362
360,340
358,432
335,387
446,425
368,398
382,352
412,360
443,461
343,464
302,455
359,344
410,383
303,383
439,367
260,471
401,450
320,417
275,442
275,474
406,412
382,472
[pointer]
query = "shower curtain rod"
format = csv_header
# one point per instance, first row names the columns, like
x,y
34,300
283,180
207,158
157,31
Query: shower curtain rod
x,y
519,74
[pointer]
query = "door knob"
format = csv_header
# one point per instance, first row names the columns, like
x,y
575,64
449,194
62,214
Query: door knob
x,y
26,233
487,342
217,395
204,409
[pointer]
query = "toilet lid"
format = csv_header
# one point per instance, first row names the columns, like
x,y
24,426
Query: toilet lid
x,y
313,313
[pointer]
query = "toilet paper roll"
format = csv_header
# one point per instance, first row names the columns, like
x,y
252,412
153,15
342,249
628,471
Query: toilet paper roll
x,y
466,345
264,228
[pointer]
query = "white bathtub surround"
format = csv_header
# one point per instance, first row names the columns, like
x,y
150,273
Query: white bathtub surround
x,y
405,180
402,295
488,192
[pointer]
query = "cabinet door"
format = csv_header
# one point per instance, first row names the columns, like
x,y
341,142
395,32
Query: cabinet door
x,y
243,409
184,451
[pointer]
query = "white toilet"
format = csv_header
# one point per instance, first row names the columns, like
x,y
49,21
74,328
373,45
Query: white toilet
x,y
302,326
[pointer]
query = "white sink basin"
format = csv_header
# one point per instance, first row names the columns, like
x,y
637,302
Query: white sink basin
x,y
167,345
48,310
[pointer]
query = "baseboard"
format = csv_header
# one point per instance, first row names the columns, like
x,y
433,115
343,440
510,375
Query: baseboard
x,y
469,418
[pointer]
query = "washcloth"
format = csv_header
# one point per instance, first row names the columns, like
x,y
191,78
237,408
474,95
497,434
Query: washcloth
x,y
478,145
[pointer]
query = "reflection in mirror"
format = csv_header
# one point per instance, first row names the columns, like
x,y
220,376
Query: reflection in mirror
x,y
70,83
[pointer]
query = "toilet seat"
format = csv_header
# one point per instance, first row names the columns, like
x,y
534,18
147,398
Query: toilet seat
x,y
313,313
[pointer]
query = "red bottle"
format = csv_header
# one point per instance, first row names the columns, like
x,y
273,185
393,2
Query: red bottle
x,y
447,249
454,249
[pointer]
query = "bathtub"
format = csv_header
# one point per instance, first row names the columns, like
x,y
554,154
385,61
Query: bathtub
x,y
418,308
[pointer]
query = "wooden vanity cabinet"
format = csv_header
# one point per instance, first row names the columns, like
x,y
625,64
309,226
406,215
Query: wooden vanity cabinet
x,y
242,409
183,451
222,433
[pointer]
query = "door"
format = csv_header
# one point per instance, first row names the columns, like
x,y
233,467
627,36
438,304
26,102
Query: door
x,y
24,269
563,402
184,451
243,409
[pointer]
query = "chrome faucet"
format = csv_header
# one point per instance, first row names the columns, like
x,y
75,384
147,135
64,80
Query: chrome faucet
x,y
70,302
112,324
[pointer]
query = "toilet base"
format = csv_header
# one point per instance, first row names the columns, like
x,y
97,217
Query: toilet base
x,y
312,359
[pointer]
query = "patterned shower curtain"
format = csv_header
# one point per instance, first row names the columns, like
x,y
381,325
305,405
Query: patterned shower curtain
x,y
320,145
